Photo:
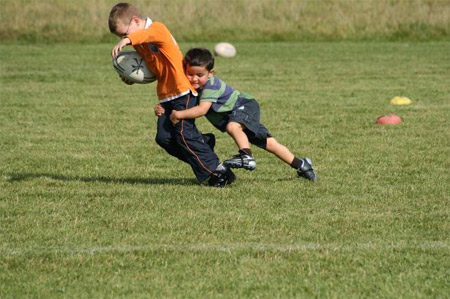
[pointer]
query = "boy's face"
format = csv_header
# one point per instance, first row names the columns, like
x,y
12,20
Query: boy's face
x,y
198,75
126,27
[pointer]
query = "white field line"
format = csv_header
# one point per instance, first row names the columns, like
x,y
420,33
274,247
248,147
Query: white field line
x,y
424,245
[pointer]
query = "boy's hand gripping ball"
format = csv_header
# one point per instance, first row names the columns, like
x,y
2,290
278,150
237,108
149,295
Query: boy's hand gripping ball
x,y
131,66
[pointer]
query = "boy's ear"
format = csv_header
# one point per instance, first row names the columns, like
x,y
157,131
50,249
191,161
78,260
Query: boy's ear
x,y
211,73
135,20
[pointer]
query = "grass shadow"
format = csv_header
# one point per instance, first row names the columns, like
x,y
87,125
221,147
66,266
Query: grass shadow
x,y
133,181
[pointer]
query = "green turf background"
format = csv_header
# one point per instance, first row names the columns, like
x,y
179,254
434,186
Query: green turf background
x,y
90,206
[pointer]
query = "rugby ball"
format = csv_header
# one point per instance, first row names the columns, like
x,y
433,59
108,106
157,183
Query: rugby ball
x,y
225,50
131,66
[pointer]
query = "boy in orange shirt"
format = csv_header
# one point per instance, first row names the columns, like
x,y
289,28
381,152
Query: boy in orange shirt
x,y
153,41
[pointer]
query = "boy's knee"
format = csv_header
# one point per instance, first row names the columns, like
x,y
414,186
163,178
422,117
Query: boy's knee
x,y
162,141
231,126
271,144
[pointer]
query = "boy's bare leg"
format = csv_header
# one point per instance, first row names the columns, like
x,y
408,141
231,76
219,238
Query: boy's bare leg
x,y
236,131
244,159
279,150
303,166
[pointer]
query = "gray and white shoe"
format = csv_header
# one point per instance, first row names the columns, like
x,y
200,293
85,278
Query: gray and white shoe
x,y
222,176
306,170
242,160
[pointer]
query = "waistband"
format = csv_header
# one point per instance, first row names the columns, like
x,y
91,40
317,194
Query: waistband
x,y
177,96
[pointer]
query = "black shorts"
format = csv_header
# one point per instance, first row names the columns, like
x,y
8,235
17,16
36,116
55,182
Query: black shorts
x,y
248,114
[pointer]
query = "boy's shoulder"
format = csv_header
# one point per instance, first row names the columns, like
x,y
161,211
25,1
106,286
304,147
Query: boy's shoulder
x,y
214,83
157,25
154,25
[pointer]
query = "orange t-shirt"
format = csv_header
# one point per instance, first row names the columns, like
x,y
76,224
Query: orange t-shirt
x,y
164,58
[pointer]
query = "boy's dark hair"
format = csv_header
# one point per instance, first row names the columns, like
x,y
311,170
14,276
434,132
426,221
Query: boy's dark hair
x,y
121,12
199,57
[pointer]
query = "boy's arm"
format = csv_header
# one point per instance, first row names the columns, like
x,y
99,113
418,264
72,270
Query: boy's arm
x,y
115,51
190,113
119,46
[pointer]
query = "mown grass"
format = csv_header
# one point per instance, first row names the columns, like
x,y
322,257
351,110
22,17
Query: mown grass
x,y
235,20
91,207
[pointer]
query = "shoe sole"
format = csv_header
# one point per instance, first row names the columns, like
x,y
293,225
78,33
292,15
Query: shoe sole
x,y
236,166
309,175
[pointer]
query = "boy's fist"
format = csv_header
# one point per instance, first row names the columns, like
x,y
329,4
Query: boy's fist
x,y
159,110
174,118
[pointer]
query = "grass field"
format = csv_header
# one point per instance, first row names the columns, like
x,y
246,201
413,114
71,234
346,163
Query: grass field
x,y
91,207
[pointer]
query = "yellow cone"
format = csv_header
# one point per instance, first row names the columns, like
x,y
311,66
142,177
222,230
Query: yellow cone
x,y
400,101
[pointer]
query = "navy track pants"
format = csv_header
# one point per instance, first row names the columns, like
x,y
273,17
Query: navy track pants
x,y
184,141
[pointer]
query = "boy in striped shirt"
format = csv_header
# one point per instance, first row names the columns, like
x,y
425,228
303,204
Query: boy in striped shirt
x,y
235,112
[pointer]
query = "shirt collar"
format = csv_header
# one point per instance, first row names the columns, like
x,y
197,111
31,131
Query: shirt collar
x,y
148,22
